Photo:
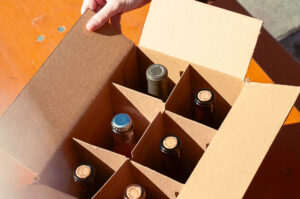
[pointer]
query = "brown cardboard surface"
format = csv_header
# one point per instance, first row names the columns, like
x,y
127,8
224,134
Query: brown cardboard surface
x,y
38,192
155,184
225,87
113,160
236,152
194,138
201,34
145,104
35,126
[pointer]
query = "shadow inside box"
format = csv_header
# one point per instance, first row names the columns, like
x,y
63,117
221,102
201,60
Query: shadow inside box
x,y
148,152
181,100
279,173
59,171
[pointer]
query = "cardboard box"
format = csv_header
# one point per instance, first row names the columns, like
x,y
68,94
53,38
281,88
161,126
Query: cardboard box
x,y
92,76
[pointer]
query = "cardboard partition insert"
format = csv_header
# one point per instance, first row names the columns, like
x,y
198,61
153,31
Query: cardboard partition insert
x,y
140,107
59,171
154,184
194,139
226,89
141,58
253,154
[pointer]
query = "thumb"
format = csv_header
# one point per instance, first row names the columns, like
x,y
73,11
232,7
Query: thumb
x,y
100,18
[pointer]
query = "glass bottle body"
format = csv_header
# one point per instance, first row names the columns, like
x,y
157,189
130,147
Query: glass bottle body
x,y
124,143
84,176
157,81
170,147
204,107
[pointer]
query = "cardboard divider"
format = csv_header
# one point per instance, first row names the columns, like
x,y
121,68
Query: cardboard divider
x,y
155,184
121,100
59,171
181,99
141,58
194,138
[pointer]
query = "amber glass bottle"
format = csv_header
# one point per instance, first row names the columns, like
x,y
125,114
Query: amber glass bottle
x,y
170,147
134,191
123,134
84,176
204,106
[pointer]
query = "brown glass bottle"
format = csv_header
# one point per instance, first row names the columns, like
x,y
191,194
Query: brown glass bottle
x,y
157,81
123,134
170,146
204,106
84,176
134,191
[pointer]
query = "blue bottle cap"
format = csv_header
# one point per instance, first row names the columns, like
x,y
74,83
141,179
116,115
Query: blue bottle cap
x,y
121,123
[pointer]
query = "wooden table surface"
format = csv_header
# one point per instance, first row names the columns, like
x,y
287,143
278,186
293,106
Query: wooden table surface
x,y
30,31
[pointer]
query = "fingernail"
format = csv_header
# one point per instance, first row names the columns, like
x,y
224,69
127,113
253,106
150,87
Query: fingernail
x,y
90,26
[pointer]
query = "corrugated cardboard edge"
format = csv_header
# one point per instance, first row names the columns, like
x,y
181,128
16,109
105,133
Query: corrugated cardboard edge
x,y
202,34
236,152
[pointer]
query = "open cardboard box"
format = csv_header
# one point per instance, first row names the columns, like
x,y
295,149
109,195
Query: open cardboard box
x,y
93,75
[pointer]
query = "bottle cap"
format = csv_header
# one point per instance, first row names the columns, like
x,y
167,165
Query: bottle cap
x,y
204,96
170,144
121,123
84,173
156,72
134,191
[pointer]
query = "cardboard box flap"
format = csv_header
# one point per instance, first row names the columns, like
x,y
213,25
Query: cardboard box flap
x,y
236,152
35,126
202,34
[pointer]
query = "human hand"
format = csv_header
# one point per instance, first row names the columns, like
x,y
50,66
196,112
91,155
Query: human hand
x,y
108,9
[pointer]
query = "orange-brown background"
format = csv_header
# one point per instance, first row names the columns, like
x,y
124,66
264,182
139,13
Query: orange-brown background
x,y
21,55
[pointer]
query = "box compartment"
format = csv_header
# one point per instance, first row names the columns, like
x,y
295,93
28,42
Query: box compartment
x,y
225,87
58,173
194,139
141,58
96,128
155,185
242,145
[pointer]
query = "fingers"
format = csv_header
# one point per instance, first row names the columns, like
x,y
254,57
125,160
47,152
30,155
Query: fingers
x,y
100,18
92,4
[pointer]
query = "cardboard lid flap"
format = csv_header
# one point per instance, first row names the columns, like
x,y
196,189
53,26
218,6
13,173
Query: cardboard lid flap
x,y
202,34
243,140
35,126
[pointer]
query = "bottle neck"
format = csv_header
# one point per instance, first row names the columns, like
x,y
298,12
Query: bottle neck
x,y
125,137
